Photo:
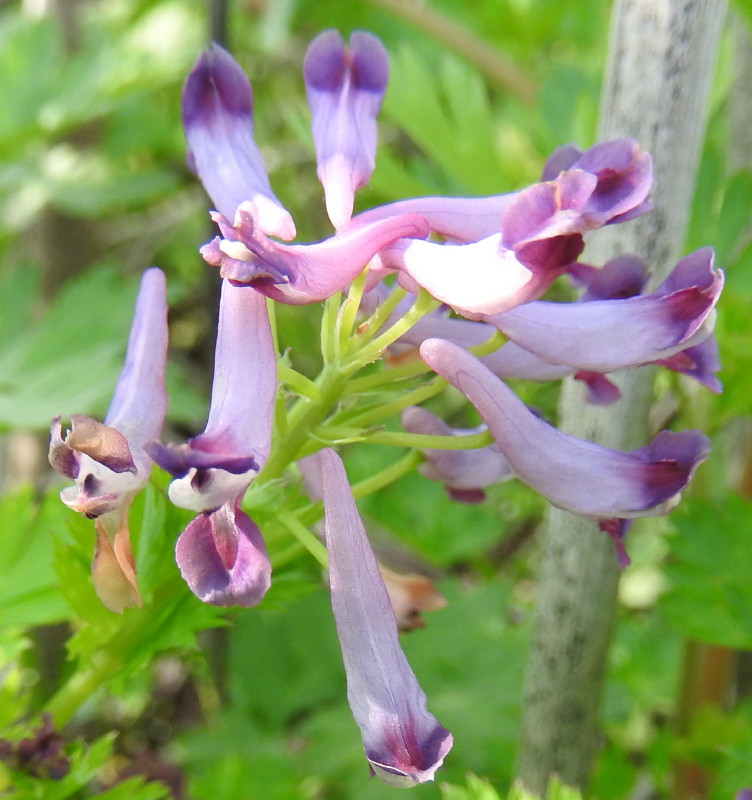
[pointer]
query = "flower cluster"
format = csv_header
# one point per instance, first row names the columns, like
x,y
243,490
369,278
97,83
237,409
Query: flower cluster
x,y
432,277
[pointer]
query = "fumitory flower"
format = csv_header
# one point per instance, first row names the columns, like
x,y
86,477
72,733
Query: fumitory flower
x,y
403,742
345,86
577,475
217,119
221,553
109,461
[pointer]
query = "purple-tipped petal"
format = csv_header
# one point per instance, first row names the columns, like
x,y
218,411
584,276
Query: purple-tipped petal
x,y
306,273
617,530
218,124
345,88
608,335
701,363
571,473
743,794
216,466
404,743
221,556
462,471
108,461
562,158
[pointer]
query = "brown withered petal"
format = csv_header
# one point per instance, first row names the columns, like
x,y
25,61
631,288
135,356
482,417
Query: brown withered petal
x,y
411,595
105,445
113,569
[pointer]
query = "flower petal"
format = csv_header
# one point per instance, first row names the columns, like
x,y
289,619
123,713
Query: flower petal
x,y
222,557
218,464
345,88
404,743
461,470
217,120
574,474
608,335
308,273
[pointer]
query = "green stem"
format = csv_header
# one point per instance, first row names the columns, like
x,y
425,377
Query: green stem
x,y
388,475
305,415
348,313
385,377
396,405
305,537
423,304
82,685
424,442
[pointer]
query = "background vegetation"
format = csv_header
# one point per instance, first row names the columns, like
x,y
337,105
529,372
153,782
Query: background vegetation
x,y
201,703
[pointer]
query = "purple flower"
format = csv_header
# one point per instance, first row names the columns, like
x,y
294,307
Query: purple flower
x,y
220,553
109,461
217,119
223,559
607,183
608,335
743,794
571,473
464,473
216,466
302,273
345,88
403,742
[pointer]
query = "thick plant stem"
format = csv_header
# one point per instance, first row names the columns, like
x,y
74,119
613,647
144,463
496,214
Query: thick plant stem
x,y
656,86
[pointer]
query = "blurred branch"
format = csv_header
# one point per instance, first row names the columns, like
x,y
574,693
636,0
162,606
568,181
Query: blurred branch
x,y
661,57
493,64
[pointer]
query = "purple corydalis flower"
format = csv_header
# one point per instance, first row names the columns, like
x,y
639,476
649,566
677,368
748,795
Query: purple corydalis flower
x,y
302,273
404,743
607,183
216,466
222,558
109,462
464,473
743,794
217,111
607,335
345,86
577,475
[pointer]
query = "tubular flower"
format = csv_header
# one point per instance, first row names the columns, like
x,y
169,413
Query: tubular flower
x,y
581,191
302,273
217,116
220,553
109,461
403,742
464,473
577,475
345,88
216,466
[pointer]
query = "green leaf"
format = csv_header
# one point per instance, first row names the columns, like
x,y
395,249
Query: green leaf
x,y
708,575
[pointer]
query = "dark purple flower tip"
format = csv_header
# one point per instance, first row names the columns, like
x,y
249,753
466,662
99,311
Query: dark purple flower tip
x,y
571,473
621,277
327,62
221,556
601,391
617,530
624,176
403,742
215,83
345,87
218,124
199,453
701,363
743,794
